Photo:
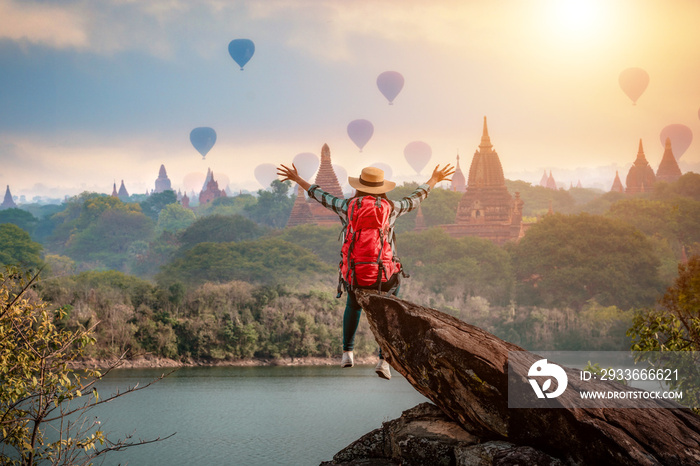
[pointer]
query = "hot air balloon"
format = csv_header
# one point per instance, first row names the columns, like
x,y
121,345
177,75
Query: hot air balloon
x,y
417,155
681,137
390,84
307,164
241,50
388,172
634,82
360,131
265,173
203,139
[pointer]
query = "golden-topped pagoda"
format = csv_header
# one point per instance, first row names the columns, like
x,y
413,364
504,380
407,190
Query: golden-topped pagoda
x,y
668,171
487,209
640,178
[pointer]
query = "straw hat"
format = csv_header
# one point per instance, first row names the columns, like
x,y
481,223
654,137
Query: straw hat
x,y
371,181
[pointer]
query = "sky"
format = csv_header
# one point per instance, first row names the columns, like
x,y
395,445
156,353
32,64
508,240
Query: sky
x,y
93,92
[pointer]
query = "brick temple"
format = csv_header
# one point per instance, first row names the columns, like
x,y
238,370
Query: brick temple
x,y
487,209
668,171
308,210
8,202
640,178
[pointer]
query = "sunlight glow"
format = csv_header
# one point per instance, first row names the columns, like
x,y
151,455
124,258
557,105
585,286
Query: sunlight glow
x,y
579,21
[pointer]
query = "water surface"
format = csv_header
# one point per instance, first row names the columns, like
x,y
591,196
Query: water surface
x,y
250,415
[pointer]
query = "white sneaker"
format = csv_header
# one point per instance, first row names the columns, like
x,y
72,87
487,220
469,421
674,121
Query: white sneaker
x,y
382,369
348,360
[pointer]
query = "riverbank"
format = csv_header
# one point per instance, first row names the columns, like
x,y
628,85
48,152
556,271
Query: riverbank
x,y
148,362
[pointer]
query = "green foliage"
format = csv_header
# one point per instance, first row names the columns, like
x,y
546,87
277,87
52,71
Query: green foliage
x,y
17,248
158,252
156,202
19,217
688,186
227,205
219,229
43,403
564,261
675,326
36,384
440,207
537,199
464,267
266,261
273,207
601,205
322,241
174,217
108,237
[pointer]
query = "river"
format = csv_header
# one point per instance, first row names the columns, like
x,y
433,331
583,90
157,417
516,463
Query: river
x,y
291,415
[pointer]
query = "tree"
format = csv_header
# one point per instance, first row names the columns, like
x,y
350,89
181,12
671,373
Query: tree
x,y
537,199
17,248
39,393
226,205
174,217
674,326
19,217
566,260
273,207
108,238
266,261
464,267
157,202
219,229
687,185
322,241
439,208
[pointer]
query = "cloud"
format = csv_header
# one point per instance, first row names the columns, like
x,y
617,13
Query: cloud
x,y
49,25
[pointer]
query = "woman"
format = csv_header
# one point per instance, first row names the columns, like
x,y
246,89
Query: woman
x,y
371,182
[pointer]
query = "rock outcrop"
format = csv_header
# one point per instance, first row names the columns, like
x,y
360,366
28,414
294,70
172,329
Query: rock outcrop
x,y
464,371
424,436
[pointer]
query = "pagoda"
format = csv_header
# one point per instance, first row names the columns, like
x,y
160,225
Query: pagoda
x,y
301,210
487,209
123,194
543,180
617,184
551,184
668,171
162,182
640,178
211,190
459,183
8,202
314,212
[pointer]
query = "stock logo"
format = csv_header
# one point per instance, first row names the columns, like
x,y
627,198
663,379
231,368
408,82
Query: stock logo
x,y
542,368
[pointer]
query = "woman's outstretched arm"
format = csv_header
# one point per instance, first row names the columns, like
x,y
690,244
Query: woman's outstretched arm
x,y
292,174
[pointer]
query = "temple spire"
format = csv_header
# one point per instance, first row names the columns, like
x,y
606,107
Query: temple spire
x,y
485,139
641,159
668,170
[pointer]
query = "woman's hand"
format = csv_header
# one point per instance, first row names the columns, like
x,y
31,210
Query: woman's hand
x,y
292,174
441,175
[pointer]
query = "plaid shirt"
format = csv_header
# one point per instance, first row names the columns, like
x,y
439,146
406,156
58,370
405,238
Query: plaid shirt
x,y
398,208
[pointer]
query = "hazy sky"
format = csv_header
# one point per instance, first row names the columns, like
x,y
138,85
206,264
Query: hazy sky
x,y
93,91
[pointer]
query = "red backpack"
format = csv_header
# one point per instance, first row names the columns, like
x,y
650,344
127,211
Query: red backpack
x,y
367,256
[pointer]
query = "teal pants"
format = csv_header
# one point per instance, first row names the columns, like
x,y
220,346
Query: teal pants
x,y
351,320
